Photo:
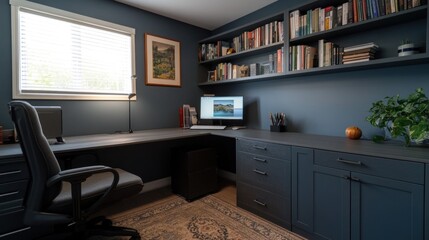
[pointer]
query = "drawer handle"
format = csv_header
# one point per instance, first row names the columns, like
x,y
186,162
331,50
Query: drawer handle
x,y
260,159
259,203
259,172
352,178
260,147
9,173
349,161
8,194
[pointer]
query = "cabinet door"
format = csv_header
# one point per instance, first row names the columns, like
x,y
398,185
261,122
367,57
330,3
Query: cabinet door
x,y
320,198
331,199
302,188
386,209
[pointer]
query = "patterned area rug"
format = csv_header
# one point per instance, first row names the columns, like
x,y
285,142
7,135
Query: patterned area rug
x,y
208,218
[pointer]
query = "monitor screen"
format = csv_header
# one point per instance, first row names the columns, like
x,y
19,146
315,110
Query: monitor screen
x,y
222,108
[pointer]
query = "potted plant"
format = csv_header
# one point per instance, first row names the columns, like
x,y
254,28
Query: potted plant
x,y
402,117
407,48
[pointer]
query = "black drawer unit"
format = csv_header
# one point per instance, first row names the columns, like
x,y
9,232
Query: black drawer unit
x,y
264,180
194,172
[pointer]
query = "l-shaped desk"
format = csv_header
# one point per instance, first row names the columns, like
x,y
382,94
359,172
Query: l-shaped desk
x,y
284,177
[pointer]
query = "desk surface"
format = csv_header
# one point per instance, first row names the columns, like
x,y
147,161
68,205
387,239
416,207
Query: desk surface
x,y
340,144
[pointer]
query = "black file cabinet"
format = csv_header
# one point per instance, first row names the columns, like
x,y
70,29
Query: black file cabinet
x,y
194,172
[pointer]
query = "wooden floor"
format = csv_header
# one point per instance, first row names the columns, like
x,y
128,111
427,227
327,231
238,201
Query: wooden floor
x,y
227,192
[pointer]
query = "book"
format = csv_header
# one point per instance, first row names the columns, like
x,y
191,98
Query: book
x,y
356,61
320,52
361,46
279,60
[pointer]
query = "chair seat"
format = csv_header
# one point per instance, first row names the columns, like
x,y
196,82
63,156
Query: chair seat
x,y
94,187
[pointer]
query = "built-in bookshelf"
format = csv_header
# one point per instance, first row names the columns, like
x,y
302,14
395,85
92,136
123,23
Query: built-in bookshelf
x,y
253,51
385,30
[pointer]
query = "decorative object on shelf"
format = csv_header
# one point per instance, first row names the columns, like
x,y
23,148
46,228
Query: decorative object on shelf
x,y
230,51
402,117
162,58
407,48
243,71
353,132
211,76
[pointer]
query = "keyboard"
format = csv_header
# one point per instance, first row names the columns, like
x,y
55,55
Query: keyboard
x,y
207,127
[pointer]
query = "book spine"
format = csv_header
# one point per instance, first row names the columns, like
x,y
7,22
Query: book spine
x,y
321,53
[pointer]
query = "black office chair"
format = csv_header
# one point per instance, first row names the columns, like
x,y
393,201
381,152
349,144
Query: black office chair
x,y
66,199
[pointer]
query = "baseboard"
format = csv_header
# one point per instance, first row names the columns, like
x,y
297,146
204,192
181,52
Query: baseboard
x,y
227,175
160,183
165,182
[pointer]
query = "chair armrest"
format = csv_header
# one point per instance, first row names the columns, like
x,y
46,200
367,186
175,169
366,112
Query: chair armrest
x,y
81,174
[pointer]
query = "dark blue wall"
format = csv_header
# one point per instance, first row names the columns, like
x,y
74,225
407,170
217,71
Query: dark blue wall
x,y
324,104
156,107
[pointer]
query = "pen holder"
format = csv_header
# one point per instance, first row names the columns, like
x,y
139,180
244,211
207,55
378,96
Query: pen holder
x,y
280,128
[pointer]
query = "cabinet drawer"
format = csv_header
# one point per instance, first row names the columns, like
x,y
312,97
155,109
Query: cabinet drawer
x,y
264,204
12,195
384,167
13,169
265,172
11,221
264,148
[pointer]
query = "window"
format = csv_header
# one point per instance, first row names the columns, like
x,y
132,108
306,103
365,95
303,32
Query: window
x,y
62,55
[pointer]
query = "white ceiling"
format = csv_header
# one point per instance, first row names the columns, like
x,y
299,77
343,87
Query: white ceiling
x,y
208,14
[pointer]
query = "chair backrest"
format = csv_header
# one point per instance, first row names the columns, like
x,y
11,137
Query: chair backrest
x,y
39,157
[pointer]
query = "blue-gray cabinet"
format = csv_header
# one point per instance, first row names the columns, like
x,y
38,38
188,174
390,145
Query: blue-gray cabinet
x,y
264,180
350,196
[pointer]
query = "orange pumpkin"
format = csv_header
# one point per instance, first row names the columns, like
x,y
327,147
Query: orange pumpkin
x,y
353,132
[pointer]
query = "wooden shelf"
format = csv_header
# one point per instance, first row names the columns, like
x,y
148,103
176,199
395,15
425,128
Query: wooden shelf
x,y
372,64
238,30
245,53
383,21
245,79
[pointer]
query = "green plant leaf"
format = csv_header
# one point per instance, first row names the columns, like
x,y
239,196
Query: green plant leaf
x,y
378,138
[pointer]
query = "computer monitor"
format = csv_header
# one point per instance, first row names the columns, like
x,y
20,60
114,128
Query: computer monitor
x,y
221,108
51,120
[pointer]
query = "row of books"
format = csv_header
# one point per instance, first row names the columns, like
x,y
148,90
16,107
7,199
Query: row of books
x,y
322,19
328,53
264,35
225,71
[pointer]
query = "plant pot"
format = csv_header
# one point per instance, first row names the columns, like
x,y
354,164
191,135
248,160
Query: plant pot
x,y
407,49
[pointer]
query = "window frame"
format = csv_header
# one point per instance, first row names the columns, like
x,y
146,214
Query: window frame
x,y
16,5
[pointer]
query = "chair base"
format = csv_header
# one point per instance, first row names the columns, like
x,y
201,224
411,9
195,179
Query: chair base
x,y
99,226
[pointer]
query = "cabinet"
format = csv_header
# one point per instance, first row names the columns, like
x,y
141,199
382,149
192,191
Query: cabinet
x,y
387,31
194,172
264,180
351,196
14,177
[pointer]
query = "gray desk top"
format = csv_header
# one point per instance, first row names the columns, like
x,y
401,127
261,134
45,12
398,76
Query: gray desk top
x,y
390,149
340,144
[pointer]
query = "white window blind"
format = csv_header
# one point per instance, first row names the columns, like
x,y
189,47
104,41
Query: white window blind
x,y
61,55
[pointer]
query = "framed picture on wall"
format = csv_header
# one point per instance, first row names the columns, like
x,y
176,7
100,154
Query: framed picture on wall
x,y
162,58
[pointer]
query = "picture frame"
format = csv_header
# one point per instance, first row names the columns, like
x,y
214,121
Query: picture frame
x,y
162,61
